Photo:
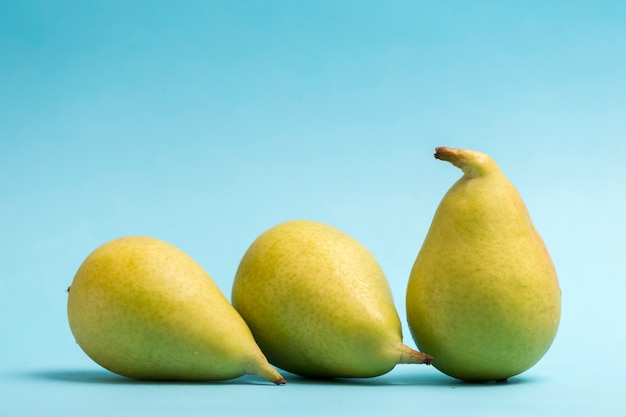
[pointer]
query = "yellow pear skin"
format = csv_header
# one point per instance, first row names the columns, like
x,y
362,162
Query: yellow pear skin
x,y
319,304
483,295
142,308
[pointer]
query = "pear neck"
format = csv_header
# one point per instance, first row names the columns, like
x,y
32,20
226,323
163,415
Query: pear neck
x,y
472,163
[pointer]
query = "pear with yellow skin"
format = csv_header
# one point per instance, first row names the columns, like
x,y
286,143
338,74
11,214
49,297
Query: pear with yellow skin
x,y
142,308
319,304
483,295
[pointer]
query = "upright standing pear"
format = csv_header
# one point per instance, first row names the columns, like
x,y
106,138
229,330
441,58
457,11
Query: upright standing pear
x,y
483,295
142,308
319,304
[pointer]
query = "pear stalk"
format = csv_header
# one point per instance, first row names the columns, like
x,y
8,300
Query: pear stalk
x,y
412,356
473,164
263,369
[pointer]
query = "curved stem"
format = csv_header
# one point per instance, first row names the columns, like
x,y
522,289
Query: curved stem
x,y
263,369
408,355
472,163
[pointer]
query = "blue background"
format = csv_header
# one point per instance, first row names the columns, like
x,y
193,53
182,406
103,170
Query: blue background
x,y
205,123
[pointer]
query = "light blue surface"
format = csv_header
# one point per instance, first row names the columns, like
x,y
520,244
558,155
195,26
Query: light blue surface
x,y
205,123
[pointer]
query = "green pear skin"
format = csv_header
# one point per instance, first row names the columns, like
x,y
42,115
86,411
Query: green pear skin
x,y
319,304
142,308
483,295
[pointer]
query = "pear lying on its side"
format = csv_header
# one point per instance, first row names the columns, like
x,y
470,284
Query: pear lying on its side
x,y
318,303
142,308
483,295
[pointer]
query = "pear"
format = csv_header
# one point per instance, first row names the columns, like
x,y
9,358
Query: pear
x,y
142,308
319,304
483,295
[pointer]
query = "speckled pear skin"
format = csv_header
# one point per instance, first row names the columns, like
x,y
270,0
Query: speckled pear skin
x,y
483,295
319,304
142,308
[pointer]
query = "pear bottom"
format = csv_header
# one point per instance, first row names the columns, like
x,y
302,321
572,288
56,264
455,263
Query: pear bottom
x,y
171,363
473,342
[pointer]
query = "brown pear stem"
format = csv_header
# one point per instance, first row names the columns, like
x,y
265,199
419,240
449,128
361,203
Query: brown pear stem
x,y
408,355
267,371
472,163
444,153
457,157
